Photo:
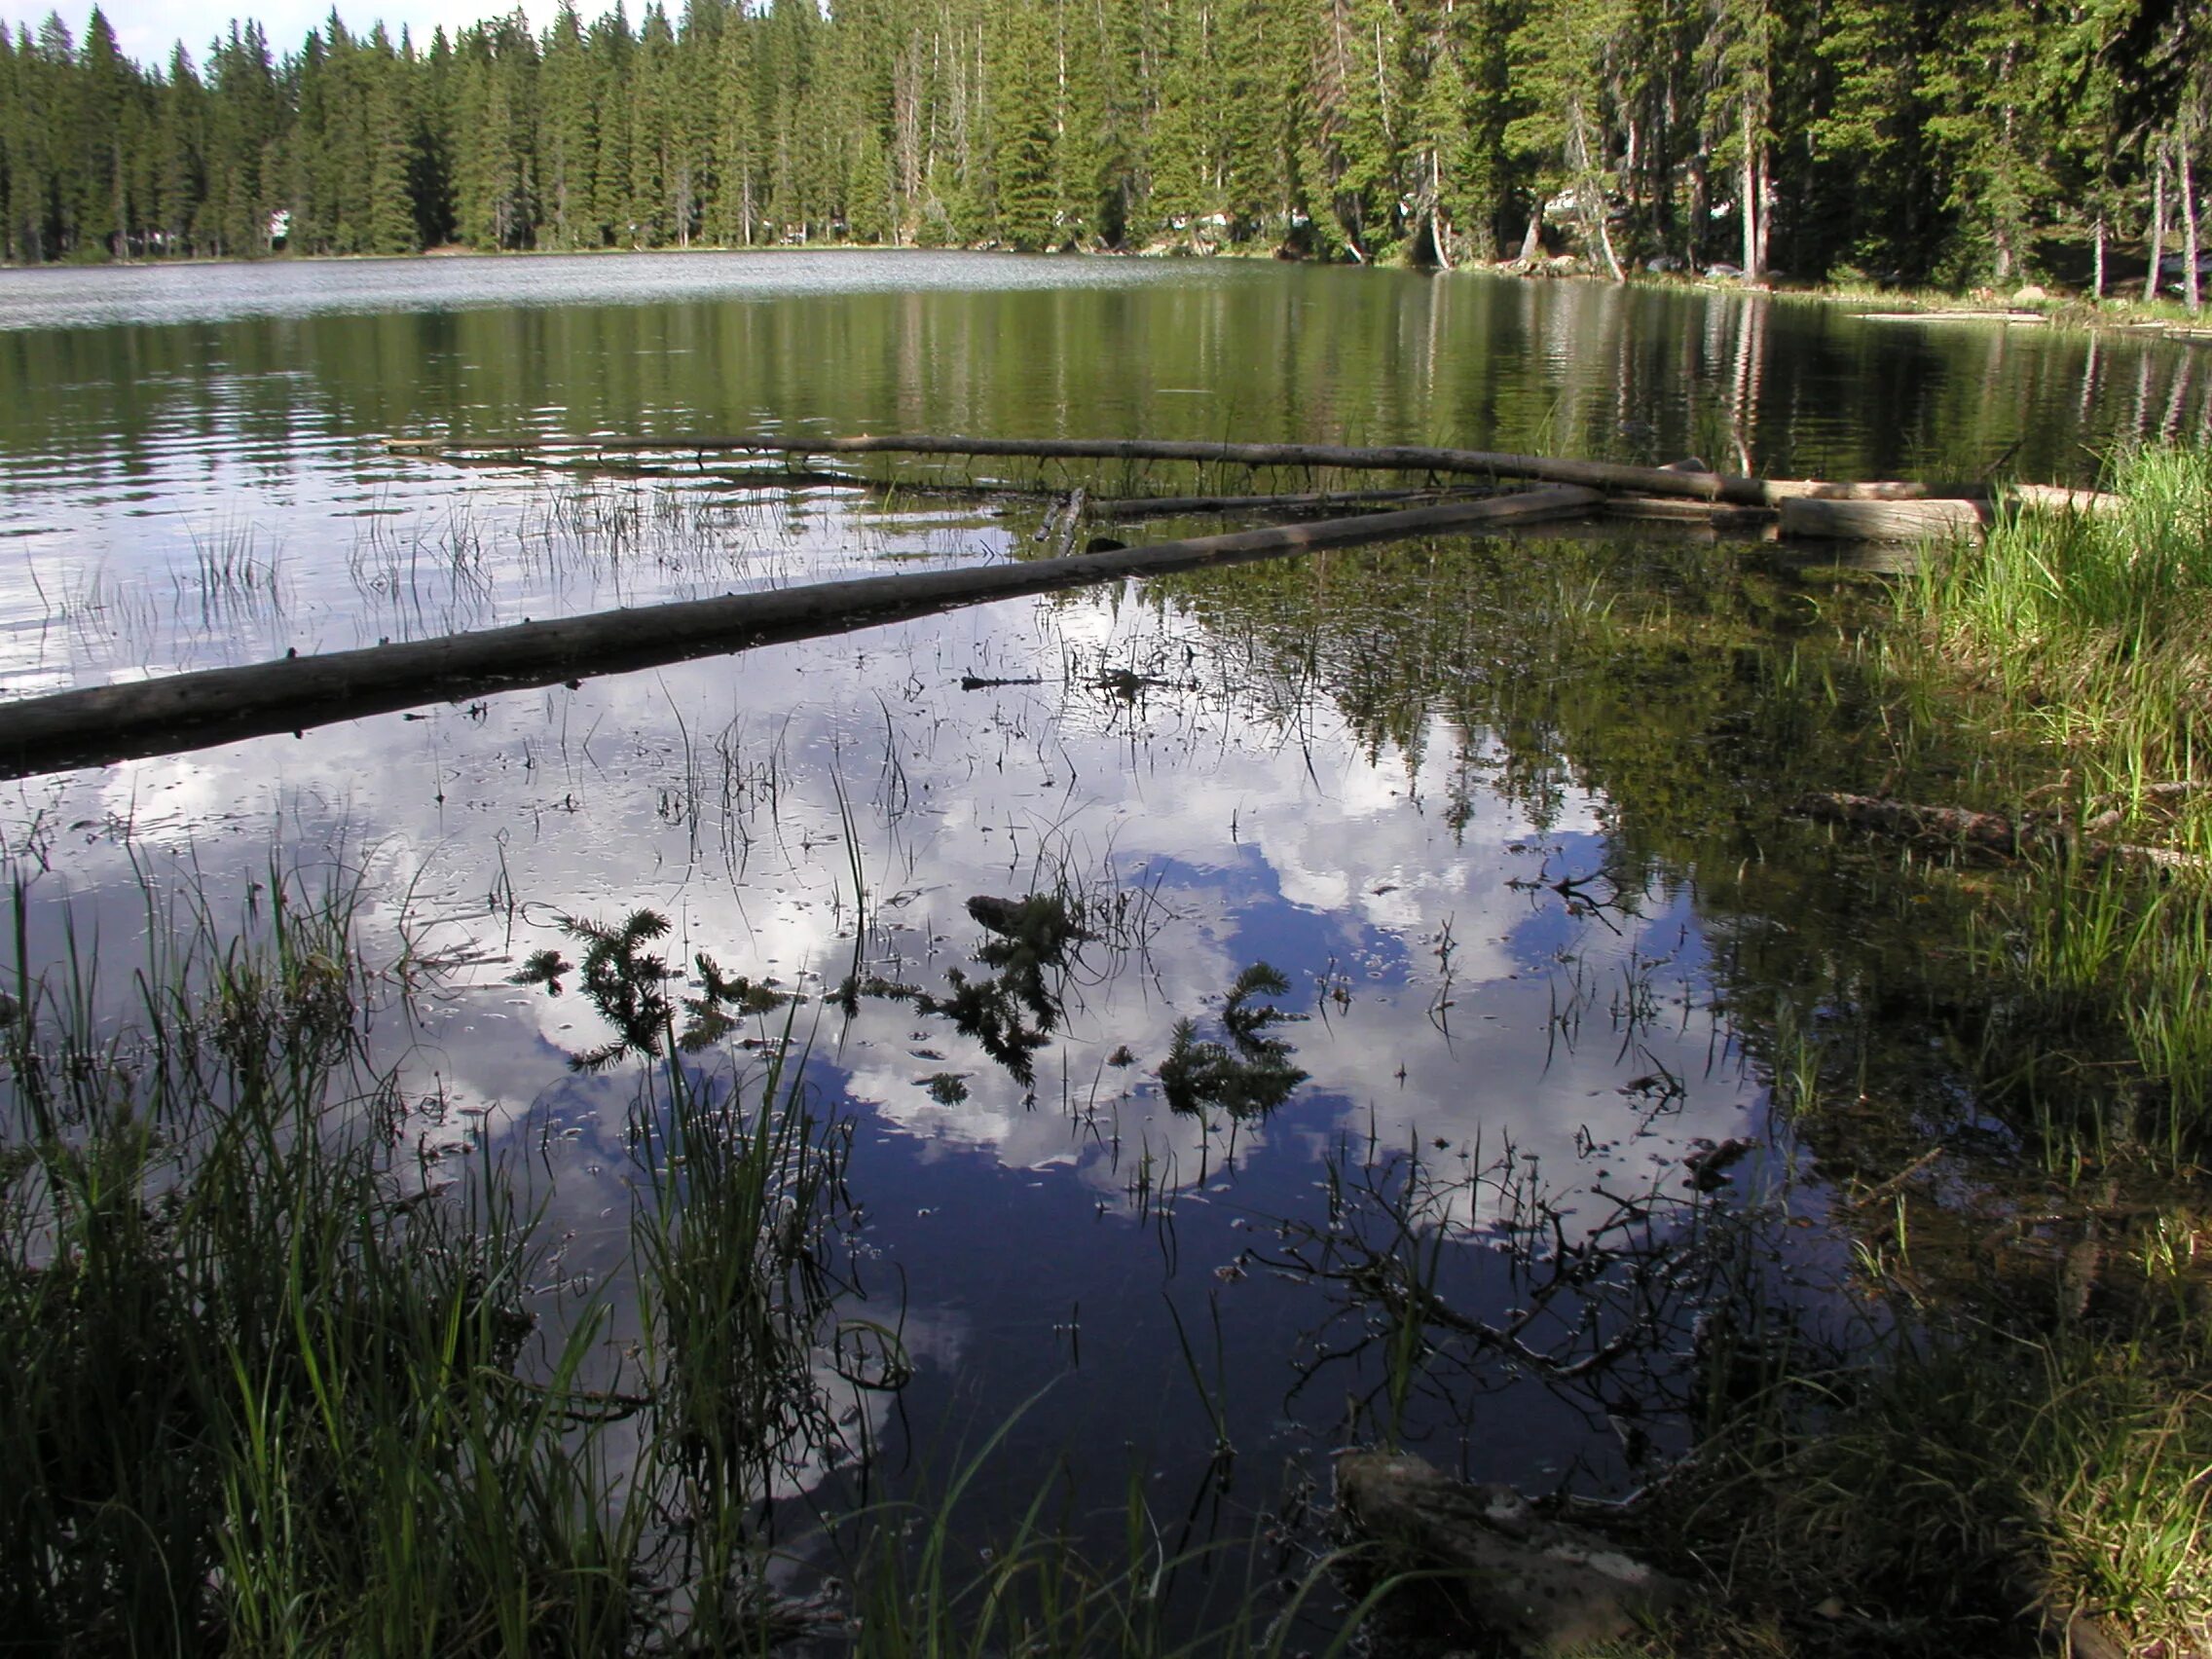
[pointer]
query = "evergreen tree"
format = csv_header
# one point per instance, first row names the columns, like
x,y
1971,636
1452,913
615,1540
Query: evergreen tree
x,y
568,134
1986,122
1022,122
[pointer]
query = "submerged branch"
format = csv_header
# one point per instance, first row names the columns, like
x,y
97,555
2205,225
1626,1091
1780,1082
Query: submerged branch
x,y
1989,833
106,724
1397,458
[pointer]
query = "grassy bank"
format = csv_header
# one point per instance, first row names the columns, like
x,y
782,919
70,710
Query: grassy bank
x,y
2016,1455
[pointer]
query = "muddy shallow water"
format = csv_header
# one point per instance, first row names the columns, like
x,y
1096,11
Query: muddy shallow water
x,y
1363,770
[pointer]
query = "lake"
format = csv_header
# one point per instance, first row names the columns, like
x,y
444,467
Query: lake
x,y
1523,906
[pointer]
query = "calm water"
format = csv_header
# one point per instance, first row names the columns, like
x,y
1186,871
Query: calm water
x,y
1286,765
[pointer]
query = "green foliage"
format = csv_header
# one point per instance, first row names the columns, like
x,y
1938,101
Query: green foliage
x,y
1248,1077
1911,139
627,984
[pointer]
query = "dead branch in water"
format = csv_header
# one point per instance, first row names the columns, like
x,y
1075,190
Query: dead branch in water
x,y
186,711
1676,481
1179,506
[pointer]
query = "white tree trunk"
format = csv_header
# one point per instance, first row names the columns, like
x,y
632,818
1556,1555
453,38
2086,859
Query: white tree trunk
x,y
2191,285
2158,220
1748,195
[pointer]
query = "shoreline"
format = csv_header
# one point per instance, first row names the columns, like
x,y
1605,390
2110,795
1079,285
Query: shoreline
x,y
2032,305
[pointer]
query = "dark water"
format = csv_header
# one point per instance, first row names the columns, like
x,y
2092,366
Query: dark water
x,y
1512,893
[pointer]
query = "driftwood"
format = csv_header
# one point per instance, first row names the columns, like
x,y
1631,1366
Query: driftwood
x,y
1691,485
1884,521
1481,1566
1988,833
2011,318
184,710
1178,506
1666,510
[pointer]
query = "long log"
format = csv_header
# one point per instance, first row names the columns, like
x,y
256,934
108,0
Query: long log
x,y
1673,509
1883,521
106,724
1988,833
1185,506
1396,457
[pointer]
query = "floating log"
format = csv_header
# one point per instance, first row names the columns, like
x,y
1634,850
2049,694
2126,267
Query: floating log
x,y
2056,499
1179,506
188,711
1883,521
1719,515
1989,833
1691,485
1480,1567
1954,826
2011,318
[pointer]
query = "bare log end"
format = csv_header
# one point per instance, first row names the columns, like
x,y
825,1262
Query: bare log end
x,y
1883,521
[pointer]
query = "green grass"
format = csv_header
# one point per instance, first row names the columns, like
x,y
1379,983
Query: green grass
x,y
1962,1478
277,1385
2093,626
2019,1433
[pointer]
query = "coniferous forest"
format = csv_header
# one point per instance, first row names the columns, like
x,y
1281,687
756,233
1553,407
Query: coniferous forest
x,y
1898,140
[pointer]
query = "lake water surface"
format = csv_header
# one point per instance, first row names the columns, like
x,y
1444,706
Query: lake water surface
x,y
1357,769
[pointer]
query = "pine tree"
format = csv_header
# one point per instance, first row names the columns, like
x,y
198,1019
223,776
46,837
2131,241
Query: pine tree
x,y
612,47
180,144
735,216
1560,57
568,134
1986,122
391,224
1870,132
1022,122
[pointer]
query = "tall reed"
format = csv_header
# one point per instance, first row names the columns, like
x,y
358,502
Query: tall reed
x,y
2095,625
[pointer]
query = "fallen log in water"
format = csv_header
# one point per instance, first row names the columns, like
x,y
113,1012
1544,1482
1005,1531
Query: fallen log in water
x,y
187,710
1885,521
1988,833
1181,506
1608,475
1718,515
1480,1567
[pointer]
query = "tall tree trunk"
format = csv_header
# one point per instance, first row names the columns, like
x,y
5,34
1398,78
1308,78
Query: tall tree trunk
x,y
1766,212
1439,227
1590,198
1701,194
2097,260
1750,204
2191,294
2157,218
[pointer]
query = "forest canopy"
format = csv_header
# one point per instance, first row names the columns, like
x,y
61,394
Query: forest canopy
x,y
1896,140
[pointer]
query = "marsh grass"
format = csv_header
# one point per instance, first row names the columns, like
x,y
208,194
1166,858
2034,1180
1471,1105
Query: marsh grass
x,y
1942,1494
2094,625
276,1382
281,1383
2092,633
266,1391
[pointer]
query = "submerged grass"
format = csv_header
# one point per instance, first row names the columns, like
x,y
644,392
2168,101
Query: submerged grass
x,y
2015,1454
278,1385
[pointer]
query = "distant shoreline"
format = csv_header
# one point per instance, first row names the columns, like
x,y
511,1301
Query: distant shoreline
x,y
2032,305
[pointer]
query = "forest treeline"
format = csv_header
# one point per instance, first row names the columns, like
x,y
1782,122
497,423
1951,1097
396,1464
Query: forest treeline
x,y
1913,140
